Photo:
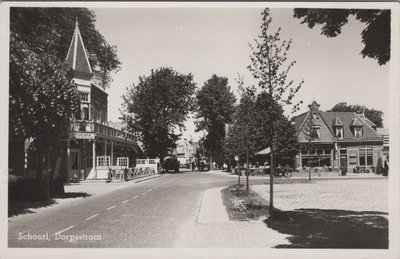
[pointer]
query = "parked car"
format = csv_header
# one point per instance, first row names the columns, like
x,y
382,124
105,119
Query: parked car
x,y
171,164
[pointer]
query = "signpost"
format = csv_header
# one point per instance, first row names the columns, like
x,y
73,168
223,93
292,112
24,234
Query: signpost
x,y
237,166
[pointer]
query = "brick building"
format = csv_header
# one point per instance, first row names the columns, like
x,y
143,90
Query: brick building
x,y
344,140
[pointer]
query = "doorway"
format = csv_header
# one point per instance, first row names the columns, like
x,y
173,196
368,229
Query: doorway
x,y
75,164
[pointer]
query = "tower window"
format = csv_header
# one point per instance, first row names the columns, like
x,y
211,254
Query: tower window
x,y
84,97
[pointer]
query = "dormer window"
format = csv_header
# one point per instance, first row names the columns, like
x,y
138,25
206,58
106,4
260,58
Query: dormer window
x,y
357,132
339,132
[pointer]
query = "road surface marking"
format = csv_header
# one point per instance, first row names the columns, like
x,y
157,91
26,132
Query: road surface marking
x,y
68,228
125,201
134,197
149,190
112,207
143,193
91,217
155,187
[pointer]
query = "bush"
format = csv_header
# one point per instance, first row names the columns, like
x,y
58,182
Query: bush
x,y
28,188
379,166
13,182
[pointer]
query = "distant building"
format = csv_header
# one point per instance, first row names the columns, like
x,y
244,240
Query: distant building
x,y
185,151
344,140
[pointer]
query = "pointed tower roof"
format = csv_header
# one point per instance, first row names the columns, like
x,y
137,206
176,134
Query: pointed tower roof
x,y
314,106
77,58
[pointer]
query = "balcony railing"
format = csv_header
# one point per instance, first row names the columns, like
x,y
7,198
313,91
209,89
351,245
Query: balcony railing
x,y
97,128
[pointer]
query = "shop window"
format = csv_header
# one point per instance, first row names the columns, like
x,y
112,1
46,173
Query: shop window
x,y
366,157
89,162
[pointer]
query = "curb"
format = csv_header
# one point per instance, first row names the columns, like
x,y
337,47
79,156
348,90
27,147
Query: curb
x,y
142,179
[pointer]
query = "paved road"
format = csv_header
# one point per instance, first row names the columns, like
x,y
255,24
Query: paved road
x,y
147,214
152,213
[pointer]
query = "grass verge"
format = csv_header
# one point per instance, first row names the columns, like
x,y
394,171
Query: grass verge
x,y
242,205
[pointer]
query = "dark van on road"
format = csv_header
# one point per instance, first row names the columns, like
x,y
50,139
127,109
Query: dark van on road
x,y
171,164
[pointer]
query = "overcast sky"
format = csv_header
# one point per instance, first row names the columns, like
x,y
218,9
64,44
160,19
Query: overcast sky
x,y
215,41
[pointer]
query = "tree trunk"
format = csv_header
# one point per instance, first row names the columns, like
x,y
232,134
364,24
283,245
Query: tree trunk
x,y
271,183
247,169
42,180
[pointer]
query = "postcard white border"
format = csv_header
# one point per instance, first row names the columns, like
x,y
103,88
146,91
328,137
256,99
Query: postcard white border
x,y
394,125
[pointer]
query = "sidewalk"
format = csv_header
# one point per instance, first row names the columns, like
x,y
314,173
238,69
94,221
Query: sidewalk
x,y
213,229
302,176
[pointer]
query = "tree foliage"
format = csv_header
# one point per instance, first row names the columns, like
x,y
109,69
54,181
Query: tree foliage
x,y
49,31
268,112
156,106
373,115
241,134
375,36
40,105
215,107
270,66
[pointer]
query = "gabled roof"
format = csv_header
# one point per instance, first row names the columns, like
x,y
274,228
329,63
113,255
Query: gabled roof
x,y
355,122
337,122
346,119
77,57
350,119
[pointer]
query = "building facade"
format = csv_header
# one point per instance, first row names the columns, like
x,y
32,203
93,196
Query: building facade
x,y
91,145
344,140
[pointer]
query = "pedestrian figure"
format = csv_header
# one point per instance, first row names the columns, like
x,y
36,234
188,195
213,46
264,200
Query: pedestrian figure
x,y
386,168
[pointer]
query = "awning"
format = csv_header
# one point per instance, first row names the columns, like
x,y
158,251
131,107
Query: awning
x,y
264,151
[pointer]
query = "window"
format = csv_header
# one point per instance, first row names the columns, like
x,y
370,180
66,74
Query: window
x,y
358,132
315,116
103,161
85,113
366,157
316,132
84,97
122,161
339,132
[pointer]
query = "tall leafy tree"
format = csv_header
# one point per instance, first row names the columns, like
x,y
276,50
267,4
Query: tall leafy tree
x,y
375,116
270,67
156,106
375,36
40,106
215,107
240,138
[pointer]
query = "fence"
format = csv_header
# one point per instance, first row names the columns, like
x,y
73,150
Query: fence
x,y
144,167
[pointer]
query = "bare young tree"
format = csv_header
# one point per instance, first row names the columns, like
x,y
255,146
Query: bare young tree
x,y
270,66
